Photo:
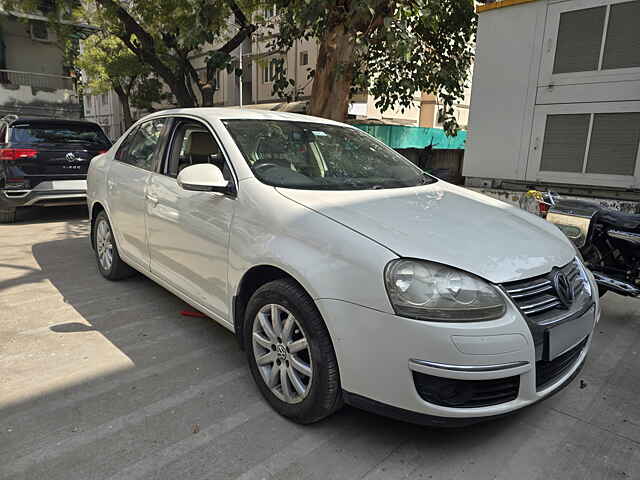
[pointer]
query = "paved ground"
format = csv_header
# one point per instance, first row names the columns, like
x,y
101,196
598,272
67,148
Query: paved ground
x,y
106,380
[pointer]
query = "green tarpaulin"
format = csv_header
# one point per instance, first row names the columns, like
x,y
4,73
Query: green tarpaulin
x,y
398,137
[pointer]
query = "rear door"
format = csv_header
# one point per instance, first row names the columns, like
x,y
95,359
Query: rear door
x,y
127,189
51,151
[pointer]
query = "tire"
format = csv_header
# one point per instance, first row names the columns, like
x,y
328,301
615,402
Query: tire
x,y
323,395
8,216
103,243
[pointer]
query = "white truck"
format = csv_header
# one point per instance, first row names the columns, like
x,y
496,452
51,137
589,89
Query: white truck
x,y
555,103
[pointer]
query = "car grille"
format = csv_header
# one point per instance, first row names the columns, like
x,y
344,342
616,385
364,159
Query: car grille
x,y
549,371
536,297
449,392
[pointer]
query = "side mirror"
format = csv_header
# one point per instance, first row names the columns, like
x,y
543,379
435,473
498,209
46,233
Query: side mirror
x,y
204,177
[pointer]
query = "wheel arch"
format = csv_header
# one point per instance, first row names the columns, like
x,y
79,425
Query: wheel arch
x,y
96,208
251,280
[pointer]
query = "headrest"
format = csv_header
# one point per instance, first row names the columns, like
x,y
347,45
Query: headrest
x,y
202,143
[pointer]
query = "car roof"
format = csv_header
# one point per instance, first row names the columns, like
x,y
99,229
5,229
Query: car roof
x,y
217,113
59,121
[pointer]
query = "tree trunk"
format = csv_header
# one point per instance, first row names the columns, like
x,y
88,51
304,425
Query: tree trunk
x,y
333,76
126,109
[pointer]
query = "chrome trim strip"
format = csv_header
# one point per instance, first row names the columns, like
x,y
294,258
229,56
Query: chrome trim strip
x,y
468,368
627,236
543,283
44,198
22,193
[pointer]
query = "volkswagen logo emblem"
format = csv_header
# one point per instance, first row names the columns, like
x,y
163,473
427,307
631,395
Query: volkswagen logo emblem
x,y
564,289
71,158
281,351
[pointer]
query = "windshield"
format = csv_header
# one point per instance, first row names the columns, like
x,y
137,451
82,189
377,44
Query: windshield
x,y
307,155
34,134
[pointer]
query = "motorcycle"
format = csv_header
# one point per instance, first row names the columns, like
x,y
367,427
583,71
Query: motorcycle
x,y
608,240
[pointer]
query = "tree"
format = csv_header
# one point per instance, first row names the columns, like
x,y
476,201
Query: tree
x,y
109,65
170,36
392,49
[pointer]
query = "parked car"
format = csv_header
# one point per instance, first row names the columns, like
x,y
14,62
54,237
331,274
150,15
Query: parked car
x,y
346,273
44,162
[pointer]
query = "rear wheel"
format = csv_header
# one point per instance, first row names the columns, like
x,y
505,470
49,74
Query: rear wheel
x,y
110,264
290,353
8,215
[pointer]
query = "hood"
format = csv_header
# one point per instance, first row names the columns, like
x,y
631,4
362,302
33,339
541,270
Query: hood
x,y
449,225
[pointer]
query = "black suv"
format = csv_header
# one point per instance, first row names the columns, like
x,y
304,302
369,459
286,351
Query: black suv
x,y
44,161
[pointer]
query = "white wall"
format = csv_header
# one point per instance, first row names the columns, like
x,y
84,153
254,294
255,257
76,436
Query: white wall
x,y
27,55
503,93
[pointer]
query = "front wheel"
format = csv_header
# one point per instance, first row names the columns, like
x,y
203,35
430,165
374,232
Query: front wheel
x,y
290,353
110,264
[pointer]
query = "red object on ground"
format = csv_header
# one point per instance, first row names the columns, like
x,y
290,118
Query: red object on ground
x,y
192,313
543,207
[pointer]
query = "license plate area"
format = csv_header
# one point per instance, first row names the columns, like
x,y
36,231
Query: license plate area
x,y
567,335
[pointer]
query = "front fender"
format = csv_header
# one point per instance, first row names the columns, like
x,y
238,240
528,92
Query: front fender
x,y
328,259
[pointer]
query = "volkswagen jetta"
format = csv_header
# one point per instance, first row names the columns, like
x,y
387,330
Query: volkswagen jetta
x,y
346,273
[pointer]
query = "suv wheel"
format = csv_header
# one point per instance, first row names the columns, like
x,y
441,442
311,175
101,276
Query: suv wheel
x,y
290,353
110,264
8,216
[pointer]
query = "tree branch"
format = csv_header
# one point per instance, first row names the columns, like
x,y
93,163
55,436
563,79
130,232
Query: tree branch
x,y
241,18
146,51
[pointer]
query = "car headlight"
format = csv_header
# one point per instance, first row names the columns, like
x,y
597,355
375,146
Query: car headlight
x,y
431,291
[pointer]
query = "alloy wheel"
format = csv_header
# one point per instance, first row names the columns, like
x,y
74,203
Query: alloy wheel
x,y
104,244
281,351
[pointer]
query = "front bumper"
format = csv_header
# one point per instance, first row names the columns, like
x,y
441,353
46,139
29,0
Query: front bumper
x,y
56,192
381,355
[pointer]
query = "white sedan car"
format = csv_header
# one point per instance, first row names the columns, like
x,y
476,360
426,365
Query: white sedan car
x,y
346,273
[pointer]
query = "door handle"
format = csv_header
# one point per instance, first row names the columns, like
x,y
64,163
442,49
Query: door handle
x,y
152,199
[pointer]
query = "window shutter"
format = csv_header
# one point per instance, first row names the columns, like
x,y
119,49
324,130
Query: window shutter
x,y
622,46
579,40
565,141
613,149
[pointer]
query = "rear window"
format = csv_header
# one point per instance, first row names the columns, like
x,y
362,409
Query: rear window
x,y
33,134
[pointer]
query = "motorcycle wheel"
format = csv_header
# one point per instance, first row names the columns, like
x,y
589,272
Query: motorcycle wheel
x,y
593,258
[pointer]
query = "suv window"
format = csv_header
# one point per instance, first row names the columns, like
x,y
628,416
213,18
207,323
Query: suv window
x,y
140,146
193,144
41,133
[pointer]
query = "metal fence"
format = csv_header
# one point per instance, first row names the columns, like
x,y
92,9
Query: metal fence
x,y
38,80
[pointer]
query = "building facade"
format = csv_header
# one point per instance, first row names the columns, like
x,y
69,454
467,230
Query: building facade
x,y
106,110
33,79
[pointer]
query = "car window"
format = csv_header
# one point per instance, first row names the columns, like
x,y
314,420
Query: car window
x,y
309,155
122,149
140,151
193,144
56,133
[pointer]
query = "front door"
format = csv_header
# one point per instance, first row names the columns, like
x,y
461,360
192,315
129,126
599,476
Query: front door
x,y
189,231
126,186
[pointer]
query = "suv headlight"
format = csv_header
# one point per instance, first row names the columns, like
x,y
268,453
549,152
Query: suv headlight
x,y
431,291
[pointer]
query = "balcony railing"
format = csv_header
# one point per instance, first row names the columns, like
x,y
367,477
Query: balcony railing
x,y
38,80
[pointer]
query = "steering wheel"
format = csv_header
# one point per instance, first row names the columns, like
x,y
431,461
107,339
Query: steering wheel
x,y
266,165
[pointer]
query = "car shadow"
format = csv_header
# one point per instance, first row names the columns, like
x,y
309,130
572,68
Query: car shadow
x,y
179,375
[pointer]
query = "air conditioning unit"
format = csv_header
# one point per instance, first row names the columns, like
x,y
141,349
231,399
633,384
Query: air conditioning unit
x,y
40,32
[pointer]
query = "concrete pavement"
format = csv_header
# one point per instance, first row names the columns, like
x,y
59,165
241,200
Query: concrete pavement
x,y
106,380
